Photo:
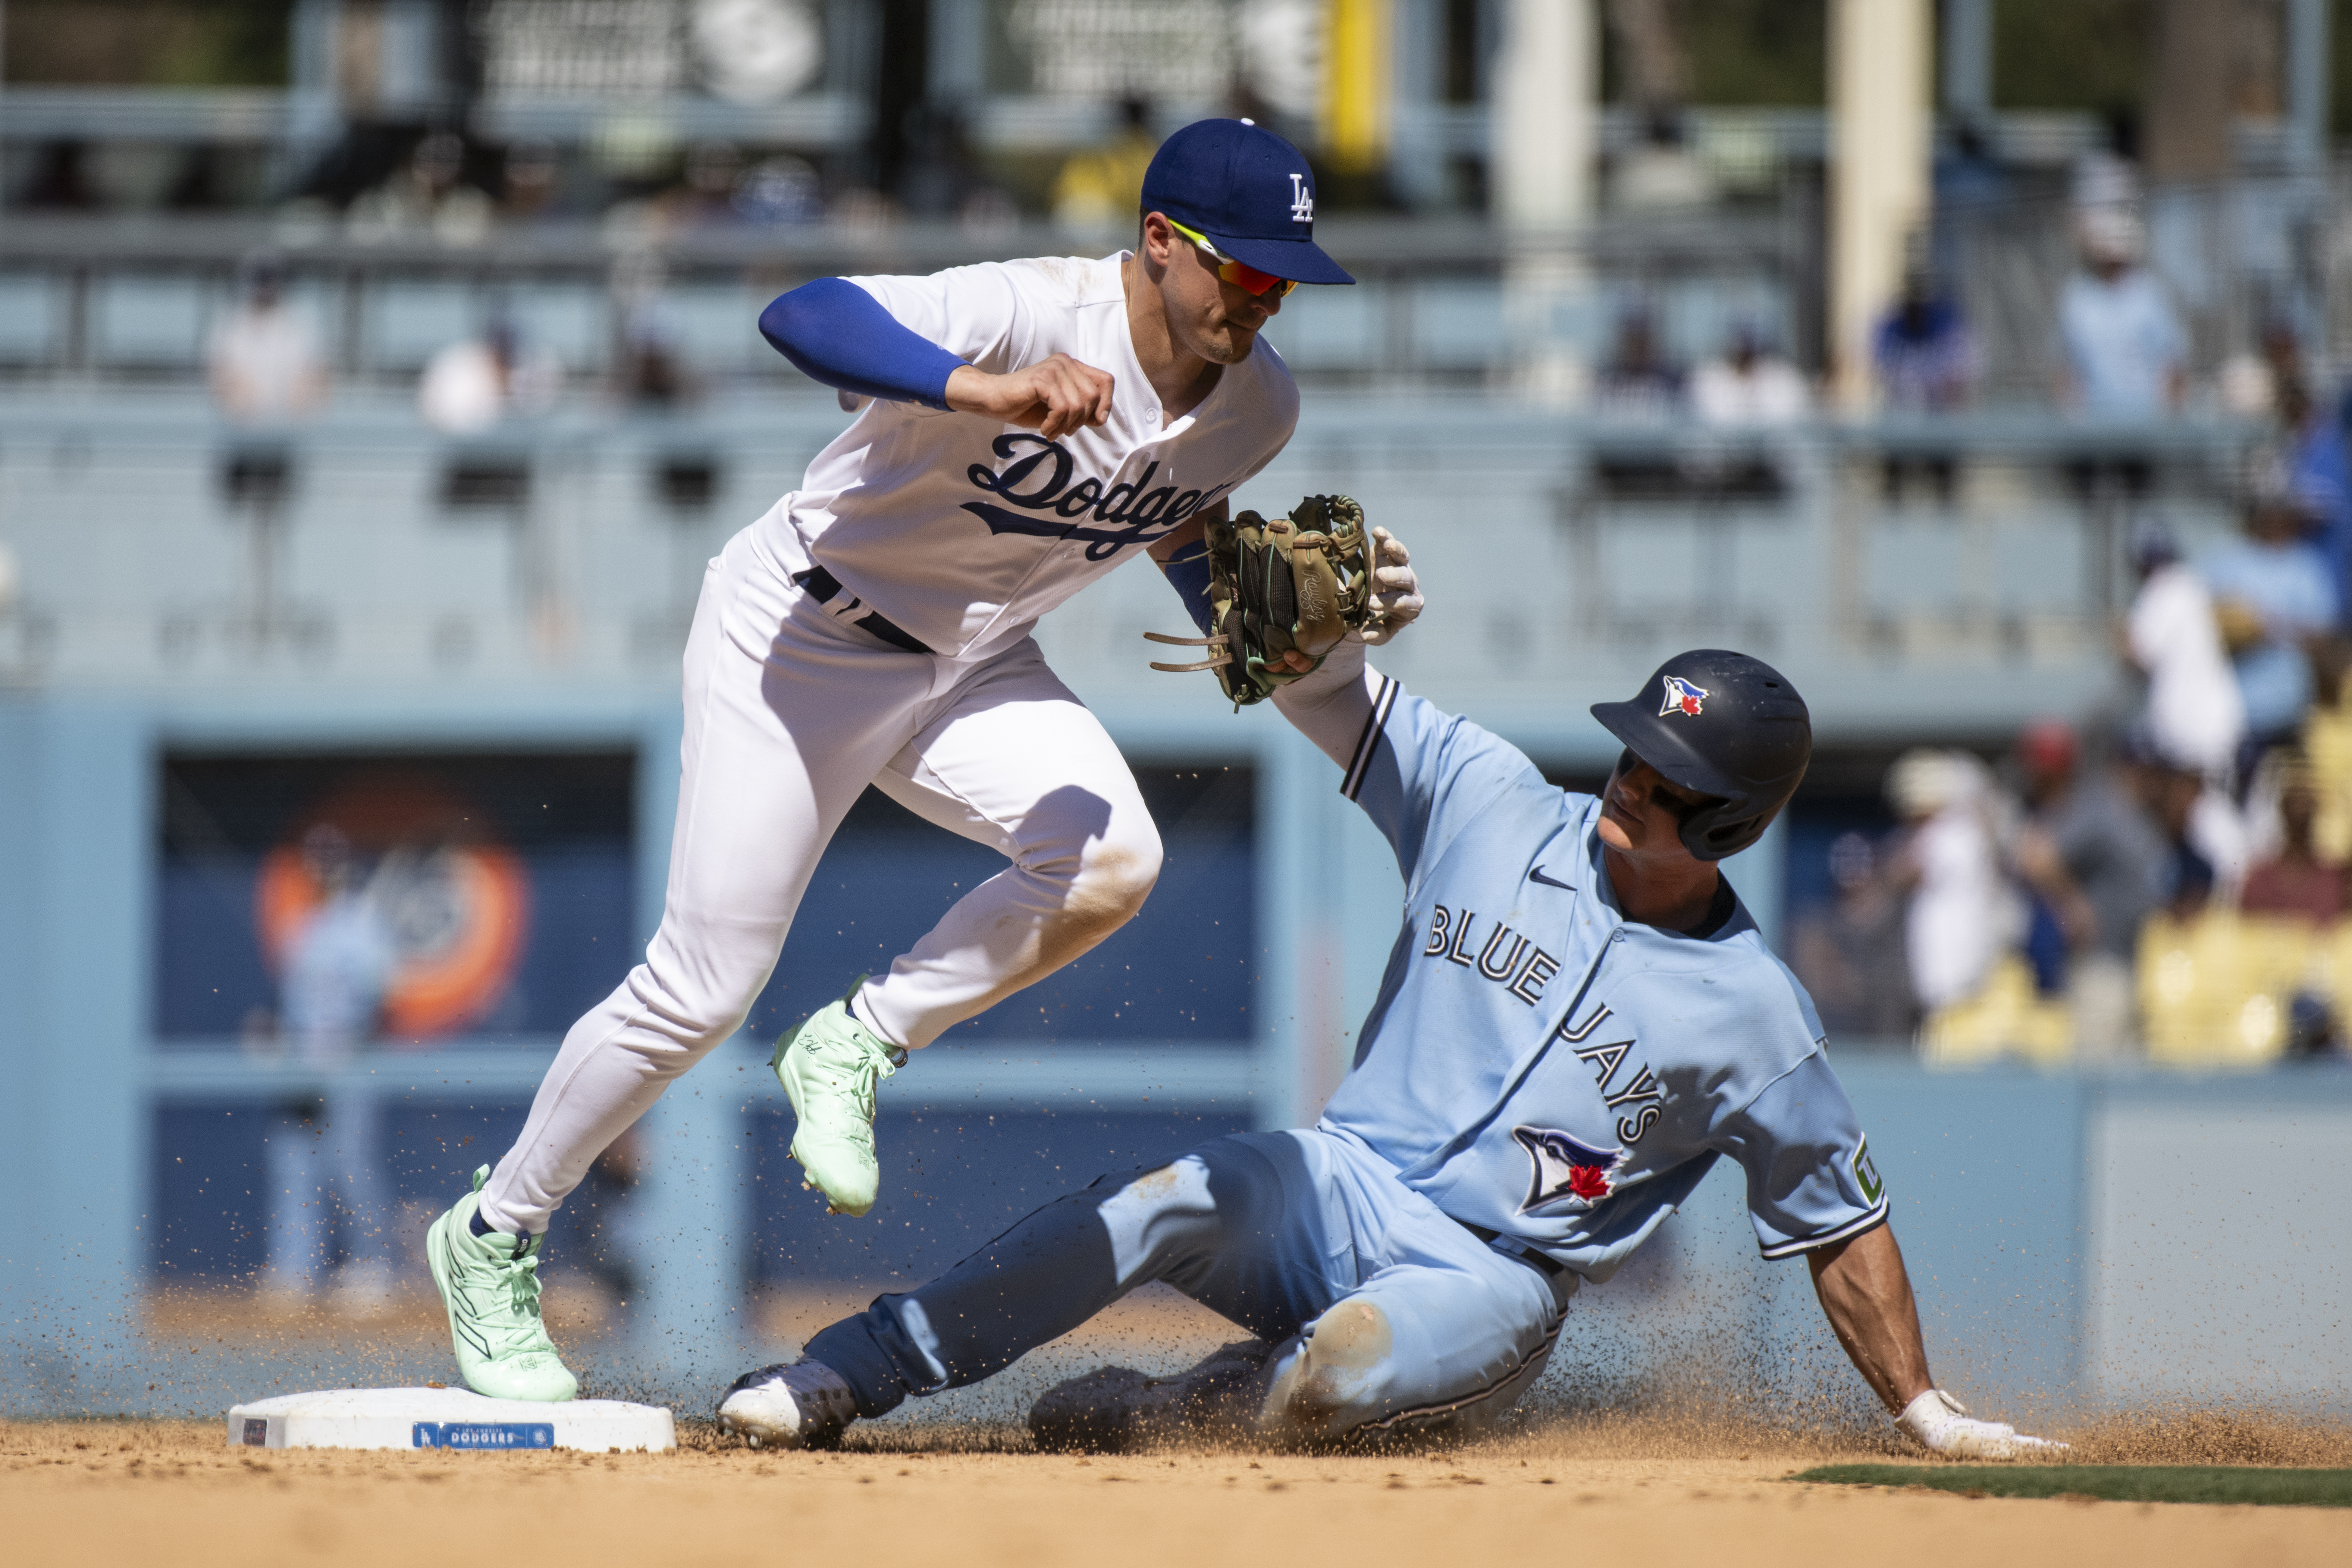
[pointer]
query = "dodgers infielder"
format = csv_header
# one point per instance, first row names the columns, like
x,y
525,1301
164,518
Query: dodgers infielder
x,y
1579,1019
1033,424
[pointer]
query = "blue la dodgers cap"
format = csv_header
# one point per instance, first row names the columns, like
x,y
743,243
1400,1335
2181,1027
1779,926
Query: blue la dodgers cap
x,y
1250,192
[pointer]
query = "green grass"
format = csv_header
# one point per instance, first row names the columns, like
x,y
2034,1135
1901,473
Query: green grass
x,y
2109,1483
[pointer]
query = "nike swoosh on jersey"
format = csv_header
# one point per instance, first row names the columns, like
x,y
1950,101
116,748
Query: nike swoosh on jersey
x,y
1537,876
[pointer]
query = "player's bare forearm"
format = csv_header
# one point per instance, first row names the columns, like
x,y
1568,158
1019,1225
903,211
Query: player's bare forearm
x,y
1867,1296
1054,397
1331,706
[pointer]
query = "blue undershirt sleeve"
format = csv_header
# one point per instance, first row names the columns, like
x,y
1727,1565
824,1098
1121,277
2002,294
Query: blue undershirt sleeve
x,y
1186,572
837,333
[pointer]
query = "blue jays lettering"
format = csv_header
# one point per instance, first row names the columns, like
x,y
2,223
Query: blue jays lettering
x,y
1142,515
1522,968
1639,1092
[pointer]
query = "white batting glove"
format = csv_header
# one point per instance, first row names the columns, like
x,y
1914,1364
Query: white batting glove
x,y
1943,1426
1396,593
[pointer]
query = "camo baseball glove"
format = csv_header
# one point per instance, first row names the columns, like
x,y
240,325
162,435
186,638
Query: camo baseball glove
x,y
1299,583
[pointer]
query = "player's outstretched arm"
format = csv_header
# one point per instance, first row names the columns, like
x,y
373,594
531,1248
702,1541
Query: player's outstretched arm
x,y
838,336
1331,706
1865,1293
837,333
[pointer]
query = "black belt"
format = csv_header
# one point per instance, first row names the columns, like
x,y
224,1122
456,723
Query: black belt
x,y
1550,1267
825,587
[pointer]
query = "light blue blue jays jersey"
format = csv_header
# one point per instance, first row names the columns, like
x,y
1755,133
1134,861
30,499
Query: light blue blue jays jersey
x,y
1540,1066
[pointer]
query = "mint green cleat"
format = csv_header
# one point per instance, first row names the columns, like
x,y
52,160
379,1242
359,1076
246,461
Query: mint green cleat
x,y
829,1067
490,1285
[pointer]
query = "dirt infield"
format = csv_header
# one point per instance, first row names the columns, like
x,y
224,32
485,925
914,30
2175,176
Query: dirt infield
x,y
173,1493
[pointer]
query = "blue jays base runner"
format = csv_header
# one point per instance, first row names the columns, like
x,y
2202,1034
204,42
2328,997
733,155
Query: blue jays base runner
x,y
1030,424
1577,1020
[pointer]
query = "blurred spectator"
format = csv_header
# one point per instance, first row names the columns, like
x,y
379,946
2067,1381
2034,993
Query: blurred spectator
x,y
651,364
1926,361
781,189
2195,716
2098,861
704,196
322,1158
1638,379
1969,172
1658,172
1850,955
2126,352
2294,881
1924,356
2319,468
2274,599
60,180
2258,384
2204,837
428,196
1962,915
1748,386
2312,1029
1100,191
530,187
472,386
337,967
264,361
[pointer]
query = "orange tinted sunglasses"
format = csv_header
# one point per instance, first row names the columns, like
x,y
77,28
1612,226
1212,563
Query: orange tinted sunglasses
x,y
1240,274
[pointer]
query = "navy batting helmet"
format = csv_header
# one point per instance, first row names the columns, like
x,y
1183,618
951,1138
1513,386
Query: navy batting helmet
x,y
1723,725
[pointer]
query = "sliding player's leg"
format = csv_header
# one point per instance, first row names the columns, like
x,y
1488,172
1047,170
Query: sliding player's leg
x,y
1237,1223
1445,1334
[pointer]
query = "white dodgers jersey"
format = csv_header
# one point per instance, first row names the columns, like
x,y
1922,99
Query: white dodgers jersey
x,y
962,530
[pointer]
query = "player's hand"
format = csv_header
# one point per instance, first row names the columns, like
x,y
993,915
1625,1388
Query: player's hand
x,y
1053,397
1943,1426
1396,592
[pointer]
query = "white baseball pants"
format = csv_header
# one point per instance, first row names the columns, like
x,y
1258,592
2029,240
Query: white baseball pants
x,y
791,711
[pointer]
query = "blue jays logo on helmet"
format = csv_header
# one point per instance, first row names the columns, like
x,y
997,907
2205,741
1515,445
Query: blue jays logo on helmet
x,y
1682,697
1567,1169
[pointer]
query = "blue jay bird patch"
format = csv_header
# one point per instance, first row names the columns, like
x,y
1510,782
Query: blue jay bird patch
x,y
1567,1168
1683,697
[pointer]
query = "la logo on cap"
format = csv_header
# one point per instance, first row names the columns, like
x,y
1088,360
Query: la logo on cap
x,y
1302,200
